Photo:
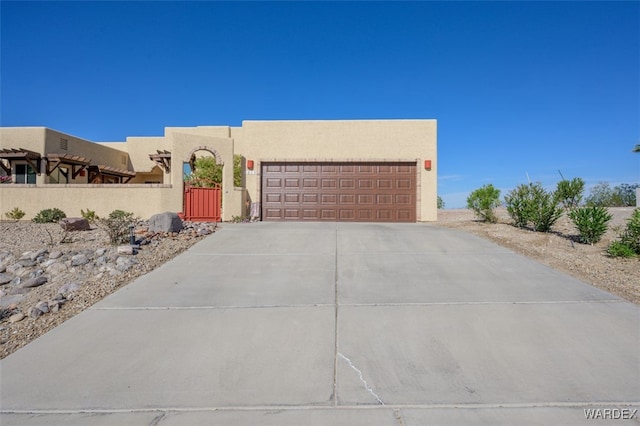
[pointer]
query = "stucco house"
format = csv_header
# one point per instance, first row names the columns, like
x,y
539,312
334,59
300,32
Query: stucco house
x,y
324,170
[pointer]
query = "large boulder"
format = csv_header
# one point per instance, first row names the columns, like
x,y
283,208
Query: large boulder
x,y
75,224
165,222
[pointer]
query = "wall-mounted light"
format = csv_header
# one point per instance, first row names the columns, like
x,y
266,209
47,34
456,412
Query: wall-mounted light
x,y
250,164
427,164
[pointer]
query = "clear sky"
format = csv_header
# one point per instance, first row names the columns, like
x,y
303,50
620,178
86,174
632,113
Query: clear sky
x,y
518,88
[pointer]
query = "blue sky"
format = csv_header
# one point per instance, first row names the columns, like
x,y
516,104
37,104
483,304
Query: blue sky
x,y
518,88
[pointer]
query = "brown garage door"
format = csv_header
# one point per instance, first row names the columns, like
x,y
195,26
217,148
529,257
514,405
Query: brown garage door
x,y
336,191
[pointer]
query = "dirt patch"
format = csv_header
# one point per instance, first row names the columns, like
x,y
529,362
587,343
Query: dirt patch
x,y
559,249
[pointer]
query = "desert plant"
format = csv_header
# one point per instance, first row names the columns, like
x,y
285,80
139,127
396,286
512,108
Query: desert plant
x,y
89,215
15,214
49,216
569,192
440,202
591,223
482,201
117,226
518,202
631,235
544,209
620,249
629,238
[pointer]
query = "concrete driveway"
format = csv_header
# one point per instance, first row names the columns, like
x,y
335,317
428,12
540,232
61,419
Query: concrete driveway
x,y
336,324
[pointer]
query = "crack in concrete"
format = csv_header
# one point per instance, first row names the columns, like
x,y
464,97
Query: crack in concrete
x,y
156,420
361,377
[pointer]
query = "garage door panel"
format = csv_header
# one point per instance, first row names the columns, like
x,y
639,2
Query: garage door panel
x,y
329,198
403,184
339,191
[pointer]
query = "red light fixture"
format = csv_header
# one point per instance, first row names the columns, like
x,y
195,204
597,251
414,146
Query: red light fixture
x,y
427,164
250,164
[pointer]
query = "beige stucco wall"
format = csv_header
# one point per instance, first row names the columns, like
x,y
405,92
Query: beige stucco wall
x,y
348,140
143,200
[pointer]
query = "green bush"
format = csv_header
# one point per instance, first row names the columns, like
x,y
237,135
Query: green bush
x,y
117,226
631,235
440,202
569,192
121,215
620,249
629,242
545,210
49,216
531,205
591,223
483,200
15,214
89,215
518,202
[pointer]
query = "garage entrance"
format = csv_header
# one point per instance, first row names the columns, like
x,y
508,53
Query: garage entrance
x,y
339,191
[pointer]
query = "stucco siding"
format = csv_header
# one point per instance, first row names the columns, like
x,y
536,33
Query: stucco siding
x,y
143,200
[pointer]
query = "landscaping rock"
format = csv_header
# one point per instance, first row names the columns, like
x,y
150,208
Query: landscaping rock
x,y
79,260
75,224
16,317
130,250
43,306
165,222
55,254
5,278
34,282
35,313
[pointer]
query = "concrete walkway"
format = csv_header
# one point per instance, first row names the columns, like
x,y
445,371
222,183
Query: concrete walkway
x,y
335,324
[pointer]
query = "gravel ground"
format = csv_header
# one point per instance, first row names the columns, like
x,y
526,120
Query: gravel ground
x,y
557,249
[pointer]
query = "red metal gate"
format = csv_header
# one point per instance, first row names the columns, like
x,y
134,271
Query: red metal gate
x,y
202,204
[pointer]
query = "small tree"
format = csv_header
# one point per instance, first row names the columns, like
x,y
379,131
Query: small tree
x,y
440,203
482,201
569,192
600,195
207,169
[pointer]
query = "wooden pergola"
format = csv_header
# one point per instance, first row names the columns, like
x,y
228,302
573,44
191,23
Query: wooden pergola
x,y
32,158
108,174
77,163
162,159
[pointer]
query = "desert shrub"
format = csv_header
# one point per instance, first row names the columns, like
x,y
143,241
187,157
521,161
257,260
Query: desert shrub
x,y
631,235
629,238
544,209
49,216
531,205
440,202
117,226
518,202
620,249
591,223
89,215
483,200
15,214
569,192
